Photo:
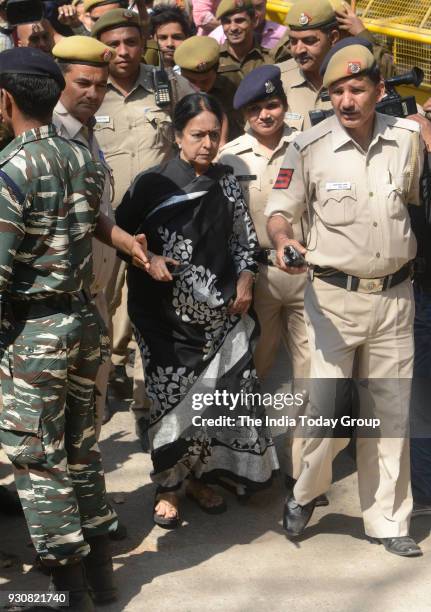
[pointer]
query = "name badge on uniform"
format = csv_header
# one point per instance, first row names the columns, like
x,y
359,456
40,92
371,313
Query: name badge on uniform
x,y
338,186
246,177
102,118
293,116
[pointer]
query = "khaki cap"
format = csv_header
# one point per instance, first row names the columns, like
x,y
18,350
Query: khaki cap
x,y
89,4
117,18
197,54
76,2
83,50
349,61
310,15
232,6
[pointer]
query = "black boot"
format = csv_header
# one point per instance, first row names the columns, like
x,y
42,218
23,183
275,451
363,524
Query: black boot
x,y
99,570
72,578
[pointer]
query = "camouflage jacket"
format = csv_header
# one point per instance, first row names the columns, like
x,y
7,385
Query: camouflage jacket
x,y
50,191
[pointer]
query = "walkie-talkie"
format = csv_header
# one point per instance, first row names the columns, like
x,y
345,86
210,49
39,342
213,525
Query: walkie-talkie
x,y
162,92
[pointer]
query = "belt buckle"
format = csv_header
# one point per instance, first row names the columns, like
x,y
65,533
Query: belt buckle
x,y
370,285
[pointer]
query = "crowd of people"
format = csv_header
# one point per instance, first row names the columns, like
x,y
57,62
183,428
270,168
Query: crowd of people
x,y
167,202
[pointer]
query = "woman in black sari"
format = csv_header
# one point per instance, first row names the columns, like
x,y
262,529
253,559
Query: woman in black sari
x,y
190,317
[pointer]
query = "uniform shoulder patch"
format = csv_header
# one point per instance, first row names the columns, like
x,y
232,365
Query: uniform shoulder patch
x,y
284,178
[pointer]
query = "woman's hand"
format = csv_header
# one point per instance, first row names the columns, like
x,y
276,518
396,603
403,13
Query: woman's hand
x,y
244,293
158,269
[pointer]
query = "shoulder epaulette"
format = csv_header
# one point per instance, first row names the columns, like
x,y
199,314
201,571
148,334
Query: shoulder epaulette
x,y
309,136
236,146
406,124
228,68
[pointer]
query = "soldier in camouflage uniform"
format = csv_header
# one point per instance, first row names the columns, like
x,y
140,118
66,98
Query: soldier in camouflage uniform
x,y
52,339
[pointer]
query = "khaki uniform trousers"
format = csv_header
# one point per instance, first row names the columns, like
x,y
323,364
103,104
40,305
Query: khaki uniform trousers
x,y
279,305
375,330
122,335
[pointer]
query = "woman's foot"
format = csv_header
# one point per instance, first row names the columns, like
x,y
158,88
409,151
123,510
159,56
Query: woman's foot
x,y
205,497
165,512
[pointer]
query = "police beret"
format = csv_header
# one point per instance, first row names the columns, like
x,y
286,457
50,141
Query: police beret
x,y
232,6
83,50
197,54
117,18
89,4
30,61
262,82
344,42
310,15
348,61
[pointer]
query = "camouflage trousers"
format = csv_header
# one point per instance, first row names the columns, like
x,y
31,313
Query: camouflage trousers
x,y
48,368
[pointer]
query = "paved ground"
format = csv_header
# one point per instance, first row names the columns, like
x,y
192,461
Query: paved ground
x,y
239,561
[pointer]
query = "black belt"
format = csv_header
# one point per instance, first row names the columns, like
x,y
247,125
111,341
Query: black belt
x,y
361,285
36,309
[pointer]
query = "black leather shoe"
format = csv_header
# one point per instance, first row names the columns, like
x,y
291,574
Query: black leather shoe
x,y
290,482
296,517
403,546
119,534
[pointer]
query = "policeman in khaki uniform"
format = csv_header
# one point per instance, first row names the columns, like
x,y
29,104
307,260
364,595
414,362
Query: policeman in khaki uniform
x,y
240,54
134,134
256,158
87,59
356,172
313,30
198,57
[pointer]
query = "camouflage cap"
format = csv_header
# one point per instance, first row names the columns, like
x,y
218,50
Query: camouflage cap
x,y
350,61
197,54
310,15
117,18
83,50
89,4
232,6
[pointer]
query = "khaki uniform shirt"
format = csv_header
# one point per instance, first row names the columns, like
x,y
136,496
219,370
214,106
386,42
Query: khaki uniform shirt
x,y
256,170
103,255
134,133
357,200
234,70
302,96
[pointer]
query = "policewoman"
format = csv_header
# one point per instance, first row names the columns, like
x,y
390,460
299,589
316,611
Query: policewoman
x,y
256,158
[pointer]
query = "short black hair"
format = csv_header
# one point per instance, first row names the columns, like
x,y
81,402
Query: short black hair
x,y
250,12
193,105
164,14
35,96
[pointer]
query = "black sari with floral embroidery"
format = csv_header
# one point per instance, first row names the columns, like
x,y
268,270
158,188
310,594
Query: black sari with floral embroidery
x,y
190,344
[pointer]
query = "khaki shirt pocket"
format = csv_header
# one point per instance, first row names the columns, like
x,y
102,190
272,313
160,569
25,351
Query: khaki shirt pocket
x,y
336,206
105,133
163,133
394,195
